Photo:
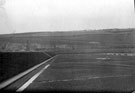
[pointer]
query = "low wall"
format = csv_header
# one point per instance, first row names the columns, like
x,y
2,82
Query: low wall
x,y
13,63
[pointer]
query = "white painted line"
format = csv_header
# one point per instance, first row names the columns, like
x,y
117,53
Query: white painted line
x,y
89,78
109,63
122,65
116,64
102,58
11,80
121,54
115,76
47,54
32,79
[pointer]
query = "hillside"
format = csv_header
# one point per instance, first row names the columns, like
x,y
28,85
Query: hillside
x,y
69,40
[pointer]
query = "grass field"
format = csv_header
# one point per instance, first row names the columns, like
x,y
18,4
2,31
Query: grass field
x,y
70,41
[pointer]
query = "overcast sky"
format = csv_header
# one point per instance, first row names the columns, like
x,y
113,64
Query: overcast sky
x,y
65,15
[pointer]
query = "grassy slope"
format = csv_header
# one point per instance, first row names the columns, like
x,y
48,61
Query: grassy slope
x,y
106,37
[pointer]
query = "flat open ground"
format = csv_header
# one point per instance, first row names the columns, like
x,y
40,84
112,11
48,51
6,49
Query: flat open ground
x,y
88,72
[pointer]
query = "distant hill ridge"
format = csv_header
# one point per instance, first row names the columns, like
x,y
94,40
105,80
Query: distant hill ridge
x,y
72,33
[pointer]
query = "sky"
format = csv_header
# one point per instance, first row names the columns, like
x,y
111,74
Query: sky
x,y
65,15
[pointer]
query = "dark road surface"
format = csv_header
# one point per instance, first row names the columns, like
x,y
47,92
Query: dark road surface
x,y
87,72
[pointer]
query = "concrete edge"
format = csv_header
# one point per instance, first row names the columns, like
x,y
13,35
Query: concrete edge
x,y
11,80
